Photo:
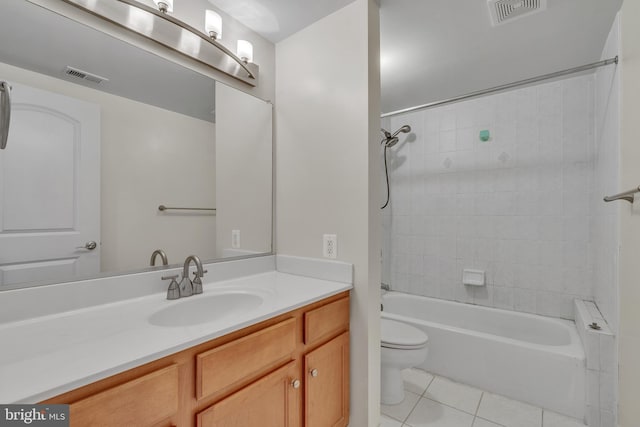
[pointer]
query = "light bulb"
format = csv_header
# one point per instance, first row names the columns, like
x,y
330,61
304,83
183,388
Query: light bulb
x,y
164,5
213,24
245,51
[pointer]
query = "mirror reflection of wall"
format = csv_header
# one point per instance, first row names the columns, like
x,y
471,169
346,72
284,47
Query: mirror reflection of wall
x,y
155,144
244,218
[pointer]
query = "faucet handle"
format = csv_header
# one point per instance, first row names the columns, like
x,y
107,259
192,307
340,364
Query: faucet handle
x,y
197,282
174,290
195,273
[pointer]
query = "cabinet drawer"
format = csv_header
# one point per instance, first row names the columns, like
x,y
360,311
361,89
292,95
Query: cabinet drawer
x,y
144,401
271,401
220,369
327,320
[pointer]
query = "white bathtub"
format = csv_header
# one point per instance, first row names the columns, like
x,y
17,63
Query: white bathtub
x,y
531,358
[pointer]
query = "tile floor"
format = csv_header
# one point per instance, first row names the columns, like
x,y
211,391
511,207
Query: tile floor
x,y
433,401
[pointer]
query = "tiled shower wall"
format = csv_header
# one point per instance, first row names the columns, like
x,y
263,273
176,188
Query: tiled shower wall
x,y
517,206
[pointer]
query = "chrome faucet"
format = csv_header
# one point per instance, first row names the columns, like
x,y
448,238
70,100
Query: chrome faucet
x,y
186,285
163,256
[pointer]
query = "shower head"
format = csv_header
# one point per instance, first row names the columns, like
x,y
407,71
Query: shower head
x,y
391,140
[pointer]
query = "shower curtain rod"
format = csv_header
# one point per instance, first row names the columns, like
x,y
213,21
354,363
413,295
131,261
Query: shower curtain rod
x,y
506,86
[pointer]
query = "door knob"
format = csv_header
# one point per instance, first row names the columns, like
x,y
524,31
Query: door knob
x,y
295,383
88,246
314,372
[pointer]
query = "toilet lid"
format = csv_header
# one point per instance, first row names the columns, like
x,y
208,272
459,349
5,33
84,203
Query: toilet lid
x,y
394,334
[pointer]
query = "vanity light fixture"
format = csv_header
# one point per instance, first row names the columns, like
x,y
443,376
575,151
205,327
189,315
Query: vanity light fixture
x,y
245,51
164,6
166,29
213,24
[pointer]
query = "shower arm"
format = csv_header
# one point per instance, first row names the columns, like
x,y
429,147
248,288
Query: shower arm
x,y
627,195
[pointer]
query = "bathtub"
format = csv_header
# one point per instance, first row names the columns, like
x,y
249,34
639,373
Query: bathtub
x,y
534,359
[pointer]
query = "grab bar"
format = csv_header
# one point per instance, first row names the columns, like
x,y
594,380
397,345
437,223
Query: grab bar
x,y
5,113
627,195
163,208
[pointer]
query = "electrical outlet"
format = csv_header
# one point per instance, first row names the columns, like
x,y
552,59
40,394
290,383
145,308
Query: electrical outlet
x,y
235,239
329,246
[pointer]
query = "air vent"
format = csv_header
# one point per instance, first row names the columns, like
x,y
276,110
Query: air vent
x,y
507,10
79,74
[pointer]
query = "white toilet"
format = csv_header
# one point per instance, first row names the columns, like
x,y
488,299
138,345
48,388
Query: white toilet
x,y
403,346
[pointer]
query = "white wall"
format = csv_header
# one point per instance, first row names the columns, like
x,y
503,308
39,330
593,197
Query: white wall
x,y
605,240
151,157
629,338
605,237
326,116
243,170
516,206
148,157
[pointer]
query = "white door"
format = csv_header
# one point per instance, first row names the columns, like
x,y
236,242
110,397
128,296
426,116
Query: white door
x,y
49,189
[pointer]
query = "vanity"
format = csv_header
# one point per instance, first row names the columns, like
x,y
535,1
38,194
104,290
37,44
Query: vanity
x,y
282,363
279,372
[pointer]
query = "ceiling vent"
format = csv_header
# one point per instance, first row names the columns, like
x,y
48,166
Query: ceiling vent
x,y
507,10
83,75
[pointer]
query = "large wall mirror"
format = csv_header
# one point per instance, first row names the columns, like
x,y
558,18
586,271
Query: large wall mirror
x,y
102,134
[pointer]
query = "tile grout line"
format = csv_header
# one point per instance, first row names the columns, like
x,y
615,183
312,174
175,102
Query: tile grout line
x,y
475,415
448,406
420,396
433,378
479,402
488,420
412,409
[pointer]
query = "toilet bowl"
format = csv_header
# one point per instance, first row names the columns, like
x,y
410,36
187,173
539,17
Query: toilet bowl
x,y
403,346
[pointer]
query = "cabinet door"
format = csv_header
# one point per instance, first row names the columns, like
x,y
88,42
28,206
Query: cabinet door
x,y
327,384
271,401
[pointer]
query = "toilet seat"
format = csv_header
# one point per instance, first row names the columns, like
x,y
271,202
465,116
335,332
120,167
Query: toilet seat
x,y
399,335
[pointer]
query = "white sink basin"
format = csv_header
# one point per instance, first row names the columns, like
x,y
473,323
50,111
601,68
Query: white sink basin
x,y
202,309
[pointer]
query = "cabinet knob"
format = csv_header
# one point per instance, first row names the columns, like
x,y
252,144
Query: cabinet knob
x,y
314,372
295,383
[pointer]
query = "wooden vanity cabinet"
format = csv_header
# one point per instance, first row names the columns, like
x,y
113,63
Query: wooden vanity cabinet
x,y
288,371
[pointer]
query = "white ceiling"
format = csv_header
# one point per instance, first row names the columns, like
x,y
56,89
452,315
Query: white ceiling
x,y
438,49
276,20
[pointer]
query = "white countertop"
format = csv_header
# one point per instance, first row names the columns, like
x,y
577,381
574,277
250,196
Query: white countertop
x,y
46,356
